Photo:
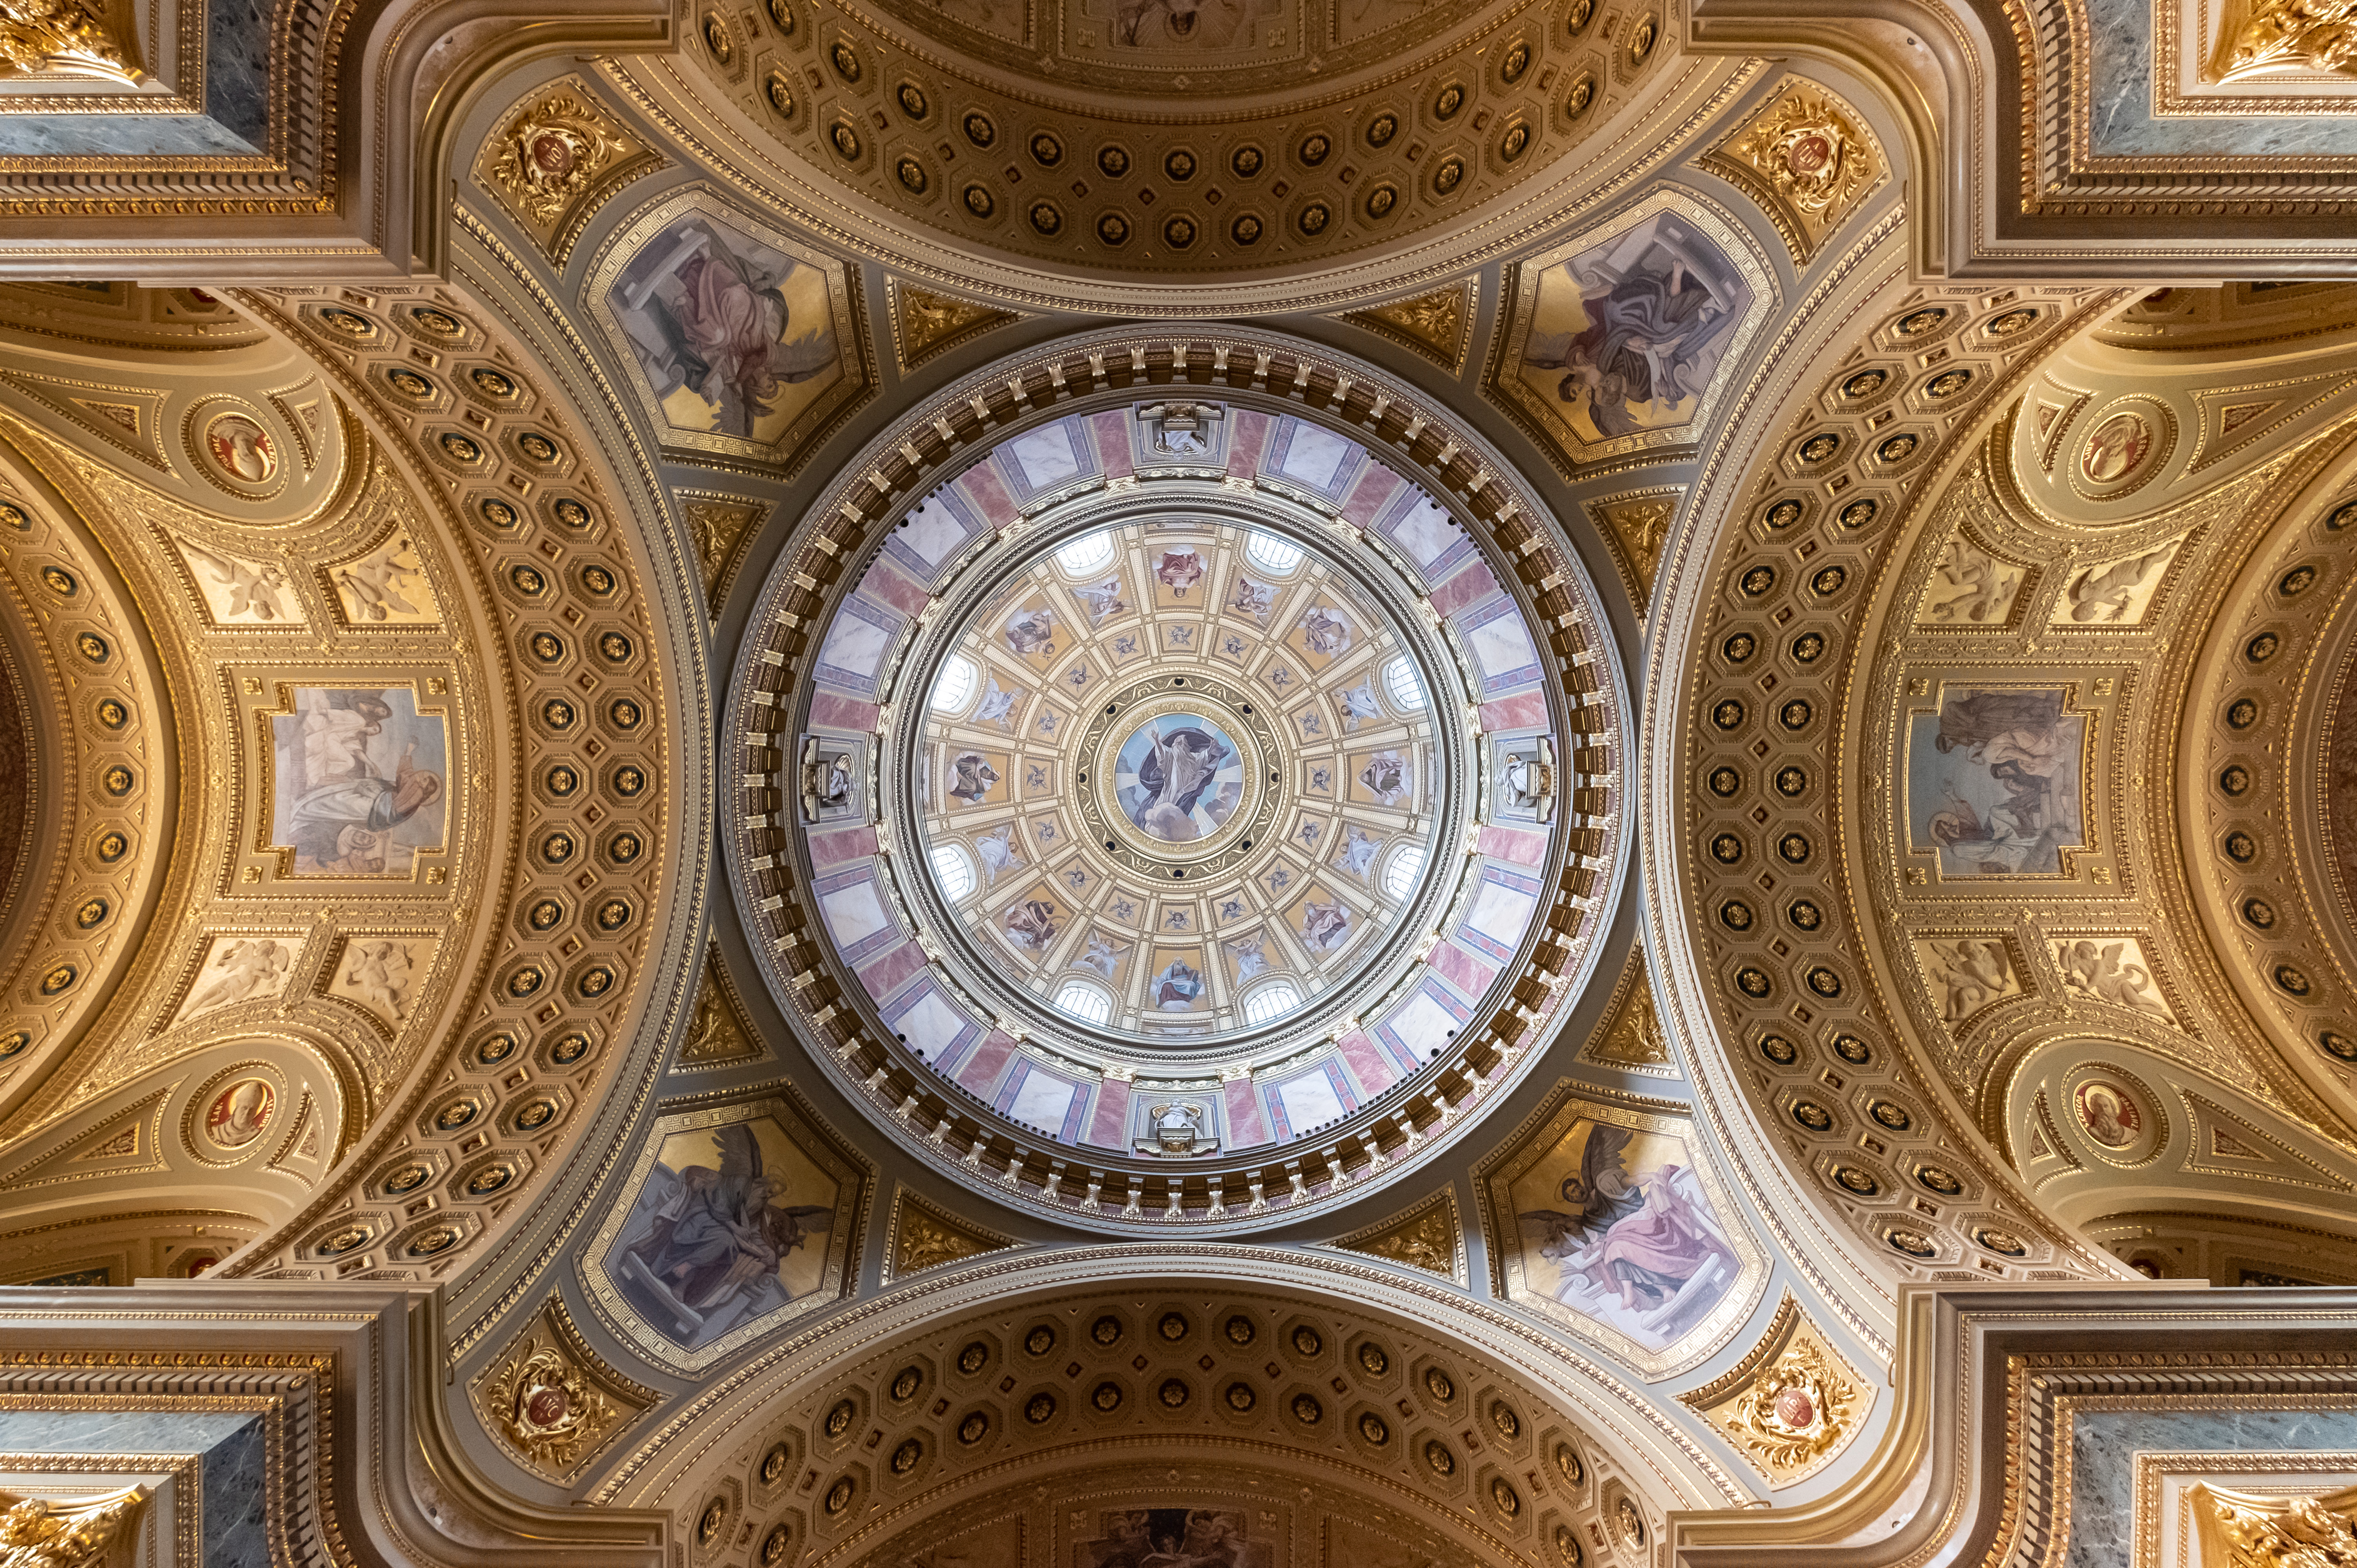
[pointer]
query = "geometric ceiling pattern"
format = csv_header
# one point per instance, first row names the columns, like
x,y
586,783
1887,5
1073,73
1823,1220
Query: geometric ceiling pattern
x,y
1249,783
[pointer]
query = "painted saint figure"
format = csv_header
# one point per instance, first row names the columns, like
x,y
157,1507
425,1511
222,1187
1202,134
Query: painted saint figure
x,y
1639,1249
706,1245
708,321
339,805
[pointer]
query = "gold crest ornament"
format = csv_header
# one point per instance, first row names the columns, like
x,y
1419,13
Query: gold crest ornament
x,y
547,1408
550,1399
550,154
1791,1405
1807,160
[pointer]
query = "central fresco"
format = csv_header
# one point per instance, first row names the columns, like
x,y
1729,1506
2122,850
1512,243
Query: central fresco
x,y
1181,775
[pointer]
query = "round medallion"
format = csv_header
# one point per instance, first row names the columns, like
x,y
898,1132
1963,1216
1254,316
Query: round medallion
x,y
2107,1113
240,449
2117,448
240,1113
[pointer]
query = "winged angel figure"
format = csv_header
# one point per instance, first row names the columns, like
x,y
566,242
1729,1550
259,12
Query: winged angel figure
x,y
706,1245
1641,1250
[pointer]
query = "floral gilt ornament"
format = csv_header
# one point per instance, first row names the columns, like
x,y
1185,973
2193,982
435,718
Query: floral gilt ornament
x,y
1791,1405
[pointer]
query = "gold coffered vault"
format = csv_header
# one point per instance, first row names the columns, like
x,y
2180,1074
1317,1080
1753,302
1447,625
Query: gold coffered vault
x,y
1178,784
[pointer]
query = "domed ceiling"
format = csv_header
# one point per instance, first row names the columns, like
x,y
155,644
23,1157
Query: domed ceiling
x,y
1263,781
1166,140
1177,782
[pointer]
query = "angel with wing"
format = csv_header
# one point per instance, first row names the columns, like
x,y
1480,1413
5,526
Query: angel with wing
x,y
712,1241
1642,1249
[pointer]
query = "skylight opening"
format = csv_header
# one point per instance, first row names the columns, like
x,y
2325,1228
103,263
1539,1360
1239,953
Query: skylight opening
x,y
955,687
1087,1003
1404,867
952,871
1272,555
1406,690
1090,552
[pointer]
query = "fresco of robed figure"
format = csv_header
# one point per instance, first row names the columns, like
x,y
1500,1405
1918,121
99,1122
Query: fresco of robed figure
x,y
730,1224
735,337
1615,1224
1993,781
1628,336
357,781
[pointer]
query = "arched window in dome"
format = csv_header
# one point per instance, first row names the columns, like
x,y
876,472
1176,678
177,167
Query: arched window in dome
x,y
1272,555
1402,870
952,871
1088,1003
955,687
1271,1002
1406,690
1090,552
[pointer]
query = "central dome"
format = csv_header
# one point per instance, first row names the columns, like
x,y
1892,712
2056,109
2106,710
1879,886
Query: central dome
x,y
1180,775
1185,801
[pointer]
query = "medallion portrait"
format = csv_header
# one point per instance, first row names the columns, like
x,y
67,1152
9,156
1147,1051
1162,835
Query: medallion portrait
x,y
241,449
239,1113
357,781
2116,449
2107,1113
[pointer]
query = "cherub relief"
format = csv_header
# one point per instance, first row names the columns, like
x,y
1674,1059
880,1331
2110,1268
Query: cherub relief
x,y
249,968
2111,972
1970,585
1968,973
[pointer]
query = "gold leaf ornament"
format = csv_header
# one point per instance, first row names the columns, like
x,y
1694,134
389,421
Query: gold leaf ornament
x,y
58,38
36,1533
546,1407
2239,1530
1797,1409
550,154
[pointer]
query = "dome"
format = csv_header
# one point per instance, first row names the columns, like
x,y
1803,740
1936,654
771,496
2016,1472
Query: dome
x,y
1176,785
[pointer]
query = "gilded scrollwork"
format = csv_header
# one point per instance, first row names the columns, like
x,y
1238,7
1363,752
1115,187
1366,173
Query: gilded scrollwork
x,y
1808,159
59,38
553,1401
85,1532
2265,38
2245,1530
552,153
